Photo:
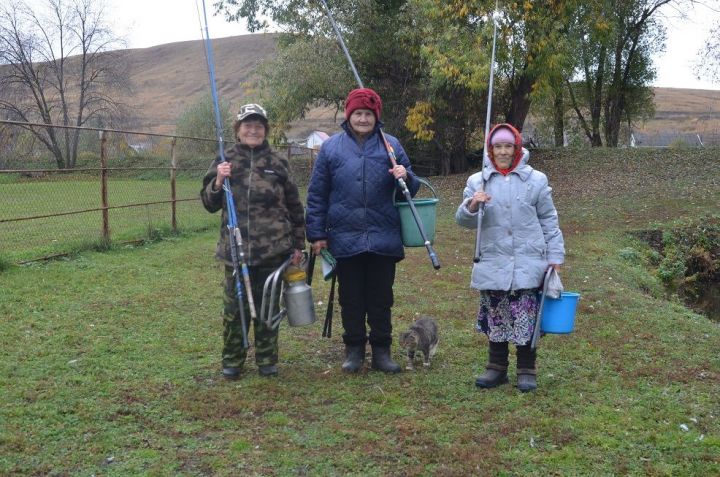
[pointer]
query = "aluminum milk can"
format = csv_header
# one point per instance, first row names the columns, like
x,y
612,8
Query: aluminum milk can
x,y
298,298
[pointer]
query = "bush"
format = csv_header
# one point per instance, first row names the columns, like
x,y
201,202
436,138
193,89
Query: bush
x,y
630,254
691,254
198,120
88,159
679,144
9,178
5,264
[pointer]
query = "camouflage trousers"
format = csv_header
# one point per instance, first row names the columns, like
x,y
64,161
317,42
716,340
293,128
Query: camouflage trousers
x,y
266,339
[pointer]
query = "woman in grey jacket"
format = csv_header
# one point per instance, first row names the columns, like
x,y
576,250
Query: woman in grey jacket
x,y
520,238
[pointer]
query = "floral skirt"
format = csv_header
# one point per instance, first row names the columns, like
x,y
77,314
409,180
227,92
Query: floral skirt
x,y
508,315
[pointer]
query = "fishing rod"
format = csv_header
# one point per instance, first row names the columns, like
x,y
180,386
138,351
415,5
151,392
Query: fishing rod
x,y
486,157
236,244
388,147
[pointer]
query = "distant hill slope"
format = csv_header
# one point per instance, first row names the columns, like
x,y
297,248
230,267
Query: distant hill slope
x,y
169,77
686,110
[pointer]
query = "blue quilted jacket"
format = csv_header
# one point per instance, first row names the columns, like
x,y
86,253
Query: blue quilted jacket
x,y
350,197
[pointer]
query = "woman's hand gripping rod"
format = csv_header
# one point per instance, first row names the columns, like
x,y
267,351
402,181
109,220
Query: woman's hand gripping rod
x,y
388,148
236,245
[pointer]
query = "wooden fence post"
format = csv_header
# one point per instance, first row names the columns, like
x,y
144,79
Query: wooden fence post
x,y
104,188
173,175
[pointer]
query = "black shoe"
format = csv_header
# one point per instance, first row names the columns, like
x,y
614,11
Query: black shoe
x,y
231,372
268,370
491,378
526,382
354,358
382,361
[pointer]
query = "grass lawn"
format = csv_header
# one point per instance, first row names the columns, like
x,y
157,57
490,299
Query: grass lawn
x,y
31,239
110,361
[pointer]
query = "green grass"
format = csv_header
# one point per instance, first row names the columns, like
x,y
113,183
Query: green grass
x,y
110,361
79,191
29,239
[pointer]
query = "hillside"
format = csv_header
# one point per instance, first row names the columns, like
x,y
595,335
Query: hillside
x,y
169,77
686,110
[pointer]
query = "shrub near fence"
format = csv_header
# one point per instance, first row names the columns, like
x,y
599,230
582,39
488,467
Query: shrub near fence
x,y
134,186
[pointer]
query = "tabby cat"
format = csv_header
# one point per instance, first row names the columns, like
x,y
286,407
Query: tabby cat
x,y
422,336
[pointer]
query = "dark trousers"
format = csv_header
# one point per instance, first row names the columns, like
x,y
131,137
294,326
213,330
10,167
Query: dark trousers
x,y
365,284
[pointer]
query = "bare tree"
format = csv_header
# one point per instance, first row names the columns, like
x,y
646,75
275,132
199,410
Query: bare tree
x,y
708,65
57,69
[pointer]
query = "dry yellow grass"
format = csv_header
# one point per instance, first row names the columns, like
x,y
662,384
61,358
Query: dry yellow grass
x,y
167,78
685,110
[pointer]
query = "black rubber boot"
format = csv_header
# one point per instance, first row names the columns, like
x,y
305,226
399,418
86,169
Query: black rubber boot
x,y
354,358
382,361
526,380
268,370
231,373
496,370
491,378
526,373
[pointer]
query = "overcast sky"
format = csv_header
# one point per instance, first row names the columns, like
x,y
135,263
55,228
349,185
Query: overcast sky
x,y
153,22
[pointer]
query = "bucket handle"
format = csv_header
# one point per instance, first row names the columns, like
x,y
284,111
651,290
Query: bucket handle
x,y
425,182
541,309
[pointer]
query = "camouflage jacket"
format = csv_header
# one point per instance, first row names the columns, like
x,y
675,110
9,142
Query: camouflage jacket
x,y
270,215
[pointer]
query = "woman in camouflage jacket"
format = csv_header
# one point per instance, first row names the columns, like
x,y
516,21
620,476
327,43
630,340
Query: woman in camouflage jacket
x,y
271,220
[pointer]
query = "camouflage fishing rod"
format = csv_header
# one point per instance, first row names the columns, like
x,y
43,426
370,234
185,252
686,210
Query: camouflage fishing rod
x,y
236,244
390,151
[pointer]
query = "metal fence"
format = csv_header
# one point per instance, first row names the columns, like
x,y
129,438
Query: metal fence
x,y
126,186
675,139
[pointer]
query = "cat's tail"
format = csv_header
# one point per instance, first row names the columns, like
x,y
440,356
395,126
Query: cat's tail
x,y
433,348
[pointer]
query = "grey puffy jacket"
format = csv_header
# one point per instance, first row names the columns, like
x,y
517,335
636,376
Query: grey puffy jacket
x,y
520,233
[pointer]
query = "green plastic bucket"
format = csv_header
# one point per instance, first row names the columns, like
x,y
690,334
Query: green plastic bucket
x,y
426,209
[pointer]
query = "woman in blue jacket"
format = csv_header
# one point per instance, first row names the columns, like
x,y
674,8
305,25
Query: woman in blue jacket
x,y
350,211
520,238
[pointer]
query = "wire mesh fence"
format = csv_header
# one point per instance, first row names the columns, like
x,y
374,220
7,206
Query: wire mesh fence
x,y
675,139
124,186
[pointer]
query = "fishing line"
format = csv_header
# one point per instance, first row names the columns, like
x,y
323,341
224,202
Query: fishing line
x,y
486,156
388,147
234,235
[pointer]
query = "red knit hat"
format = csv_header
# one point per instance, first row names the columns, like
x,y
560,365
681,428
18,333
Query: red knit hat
x,y
363,98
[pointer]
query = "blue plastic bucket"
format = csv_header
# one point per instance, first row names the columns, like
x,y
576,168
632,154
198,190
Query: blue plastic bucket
x,y
558,314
